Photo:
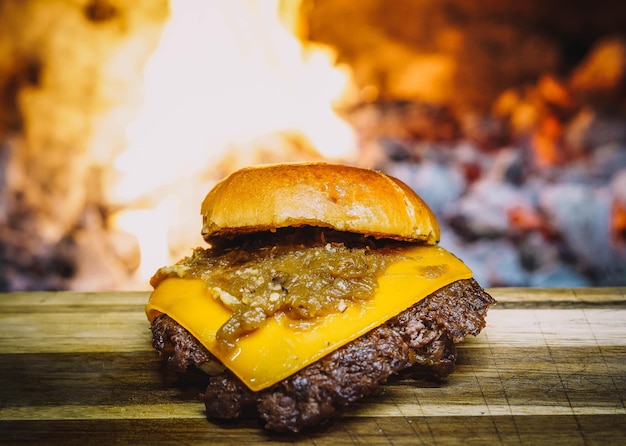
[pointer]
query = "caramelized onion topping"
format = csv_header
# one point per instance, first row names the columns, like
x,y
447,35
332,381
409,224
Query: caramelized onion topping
x,y
301,275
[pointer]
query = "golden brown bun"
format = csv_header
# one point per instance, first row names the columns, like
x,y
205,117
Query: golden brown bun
x,y
271,196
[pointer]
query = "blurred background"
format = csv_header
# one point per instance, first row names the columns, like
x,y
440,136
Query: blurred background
x,y
117,117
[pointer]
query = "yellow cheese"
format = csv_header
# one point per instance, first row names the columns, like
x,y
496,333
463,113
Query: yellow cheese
x,y
280,348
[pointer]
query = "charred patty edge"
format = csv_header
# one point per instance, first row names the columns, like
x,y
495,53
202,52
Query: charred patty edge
x,y
422,336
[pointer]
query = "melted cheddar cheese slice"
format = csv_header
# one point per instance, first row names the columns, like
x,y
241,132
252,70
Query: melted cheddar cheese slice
x,y
281,348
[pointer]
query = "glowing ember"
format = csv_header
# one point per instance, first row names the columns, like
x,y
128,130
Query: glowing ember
x,y
225,73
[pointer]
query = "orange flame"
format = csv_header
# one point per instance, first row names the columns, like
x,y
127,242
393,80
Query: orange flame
x,y
225,72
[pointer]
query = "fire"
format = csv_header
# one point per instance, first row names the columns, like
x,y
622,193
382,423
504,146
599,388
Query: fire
x,y
225,74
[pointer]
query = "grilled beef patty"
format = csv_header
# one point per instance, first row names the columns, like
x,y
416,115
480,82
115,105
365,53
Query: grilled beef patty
x,y
422,336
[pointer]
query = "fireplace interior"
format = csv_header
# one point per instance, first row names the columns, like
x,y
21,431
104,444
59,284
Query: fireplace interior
x,y
508,118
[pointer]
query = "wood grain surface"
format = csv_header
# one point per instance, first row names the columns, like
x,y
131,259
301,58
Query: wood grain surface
x,y
550,368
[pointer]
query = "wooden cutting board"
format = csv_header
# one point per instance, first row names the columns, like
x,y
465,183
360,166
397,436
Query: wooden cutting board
x,y
550,368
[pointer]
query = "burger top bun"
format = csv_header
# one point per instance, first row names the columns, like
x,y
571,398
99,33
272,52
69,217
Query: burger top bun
x,y
351,199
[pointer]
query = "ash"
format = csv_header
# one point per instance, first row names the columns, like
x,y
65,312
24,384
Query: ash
x,y
533,194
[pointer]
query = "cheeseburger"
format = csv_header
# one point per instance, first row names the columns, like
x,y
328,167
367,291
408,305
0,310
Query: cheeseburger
x,y
319,282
